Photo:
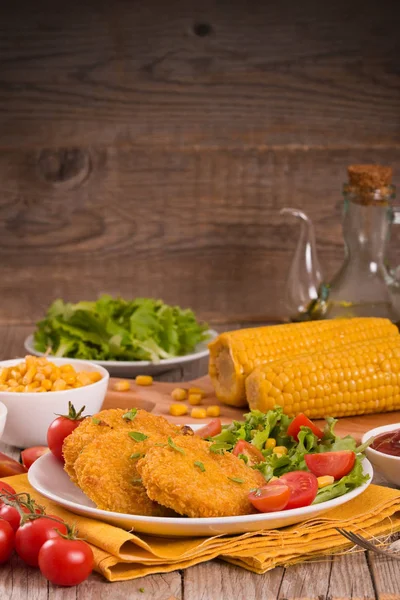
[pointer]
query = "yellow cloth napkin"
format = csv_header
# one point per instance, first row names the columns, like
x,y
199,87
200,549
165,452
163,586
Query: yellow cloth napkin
x,y
121,555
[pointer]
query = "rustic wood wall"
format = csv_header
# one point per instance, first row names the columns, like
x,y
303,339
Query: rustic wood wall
x,y
146,147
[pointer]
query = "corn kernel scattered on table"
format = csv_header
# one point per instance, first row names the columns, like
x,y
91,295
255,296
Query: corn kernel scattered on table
x,y
122,385
177,410
179,394
198,413
144,380
195,399
213,410
41,375
197,390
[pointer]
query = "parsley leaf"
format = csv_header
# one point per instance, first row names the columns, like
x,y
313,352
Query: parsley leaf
x,y
199,464
174,446
95,421
138,436
130,415
136,455
236,479
220,447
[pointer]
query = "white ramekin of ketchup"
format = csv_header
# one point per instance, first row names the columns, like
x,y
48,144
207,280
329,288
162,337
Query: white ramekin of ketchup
x,y
384,452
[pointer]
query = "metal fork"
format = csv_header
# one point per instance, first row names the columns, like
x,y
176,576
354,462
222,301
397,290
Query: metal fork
x,y
363,543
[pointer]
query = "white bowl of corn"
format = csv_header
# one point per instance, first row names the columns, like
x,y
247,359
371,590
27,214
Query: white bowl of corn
x,y
35,390
3,417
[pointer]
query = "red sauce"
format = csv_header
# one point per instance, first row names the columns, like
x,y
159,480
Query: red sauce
x,y
388,443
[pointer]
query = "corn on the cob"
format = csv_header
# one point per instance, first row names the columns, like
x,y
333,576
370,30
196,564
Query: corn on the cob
x,y
357,379
233,355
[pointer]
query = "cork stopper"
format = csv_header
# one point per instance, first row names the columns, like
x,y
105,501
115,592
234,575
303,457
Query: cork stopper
x,y
370,184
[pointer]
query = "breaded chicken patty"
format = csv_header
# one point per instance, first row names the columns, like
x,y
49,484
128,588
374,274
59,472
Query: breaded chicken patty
x,y
106,421
186,476
106,472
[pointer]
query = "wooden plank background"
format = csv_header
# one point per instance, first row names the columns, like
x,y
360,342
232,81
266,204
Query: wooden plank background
x,y
147,147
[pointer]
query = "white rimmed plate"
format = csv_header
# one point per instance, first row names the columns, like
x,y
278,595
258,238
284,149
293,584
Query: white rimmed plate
x,y
48,477
131,368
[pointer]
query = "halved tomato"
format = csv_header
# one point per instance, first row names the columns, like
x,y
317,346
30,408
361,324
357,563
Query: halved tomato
x,y
303,488
336,464
271,497
302,421
29,455
254,455
214,427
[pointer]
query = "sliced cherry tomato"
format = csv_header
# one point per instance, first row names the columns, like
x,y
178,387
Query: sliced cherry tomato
x,y
303,488
302,421
66,561
29,455
214,427
253,454
9,466
5,489
336,464
61,428
31,536
271,498
7,537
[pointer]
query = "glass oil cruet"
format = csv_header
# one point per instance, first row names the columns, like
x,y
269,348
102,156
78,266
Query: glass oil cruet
x,y
363,286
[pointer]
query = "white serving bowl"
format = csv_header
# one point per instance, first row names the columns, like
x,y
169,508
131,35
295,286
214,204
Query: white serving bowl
x,y
3,417
30,414
388,466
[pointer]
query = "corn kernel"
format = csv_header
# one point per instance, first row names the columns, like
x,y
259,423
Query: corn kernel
x,y
178,394
325,480
3,387
198,413
213,410
194,399
270,444
280,450
46,383
144,380
4,374
122,385
177,410
197,390
67,369
29,375
59,385
94,376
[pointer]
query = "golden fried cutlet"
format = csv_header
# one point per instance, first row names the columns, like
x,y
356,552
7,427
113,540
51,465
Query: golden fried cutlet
x,y
106,421
194,481
106,472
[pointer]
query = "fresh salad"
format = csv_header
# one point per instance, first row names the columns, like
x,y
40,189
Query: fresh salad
x,y
117,329
302,464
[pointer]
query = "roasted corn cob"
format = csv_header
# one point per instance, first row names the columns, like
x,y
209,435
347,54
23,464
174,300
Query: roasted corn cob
x,y
357,379
235,354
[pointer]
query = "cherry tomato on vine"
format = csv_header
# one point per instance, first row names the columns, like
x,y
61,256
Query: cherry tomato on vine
x,y
303,421
65,562
11,515
31,536
7,538
61,428
29,455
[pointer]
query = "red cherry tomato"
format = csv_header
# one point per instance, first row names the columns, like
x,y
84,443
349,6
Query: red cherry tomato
x,y
270,498
29,455
302,421
31,536
7,537
9,466
303,488
65,562
11,515
5,488
61,428
253,454
336,464
214,427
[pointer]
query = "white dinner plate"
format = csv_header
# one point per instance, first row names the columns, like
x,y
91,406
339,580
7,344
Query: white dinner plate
x,y
48,477
131,368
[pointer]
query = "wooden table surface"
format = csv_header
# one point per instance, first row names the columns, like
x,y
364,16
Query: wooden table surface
x,y
358,576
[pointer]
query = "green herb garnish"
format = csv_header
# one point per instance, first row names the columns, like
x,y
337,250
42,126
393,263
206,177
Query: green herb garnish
x,y
236,479
220,447
136,455
141,590
199,464
136,480
159,445
174,446
96,421
130,415
138,436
